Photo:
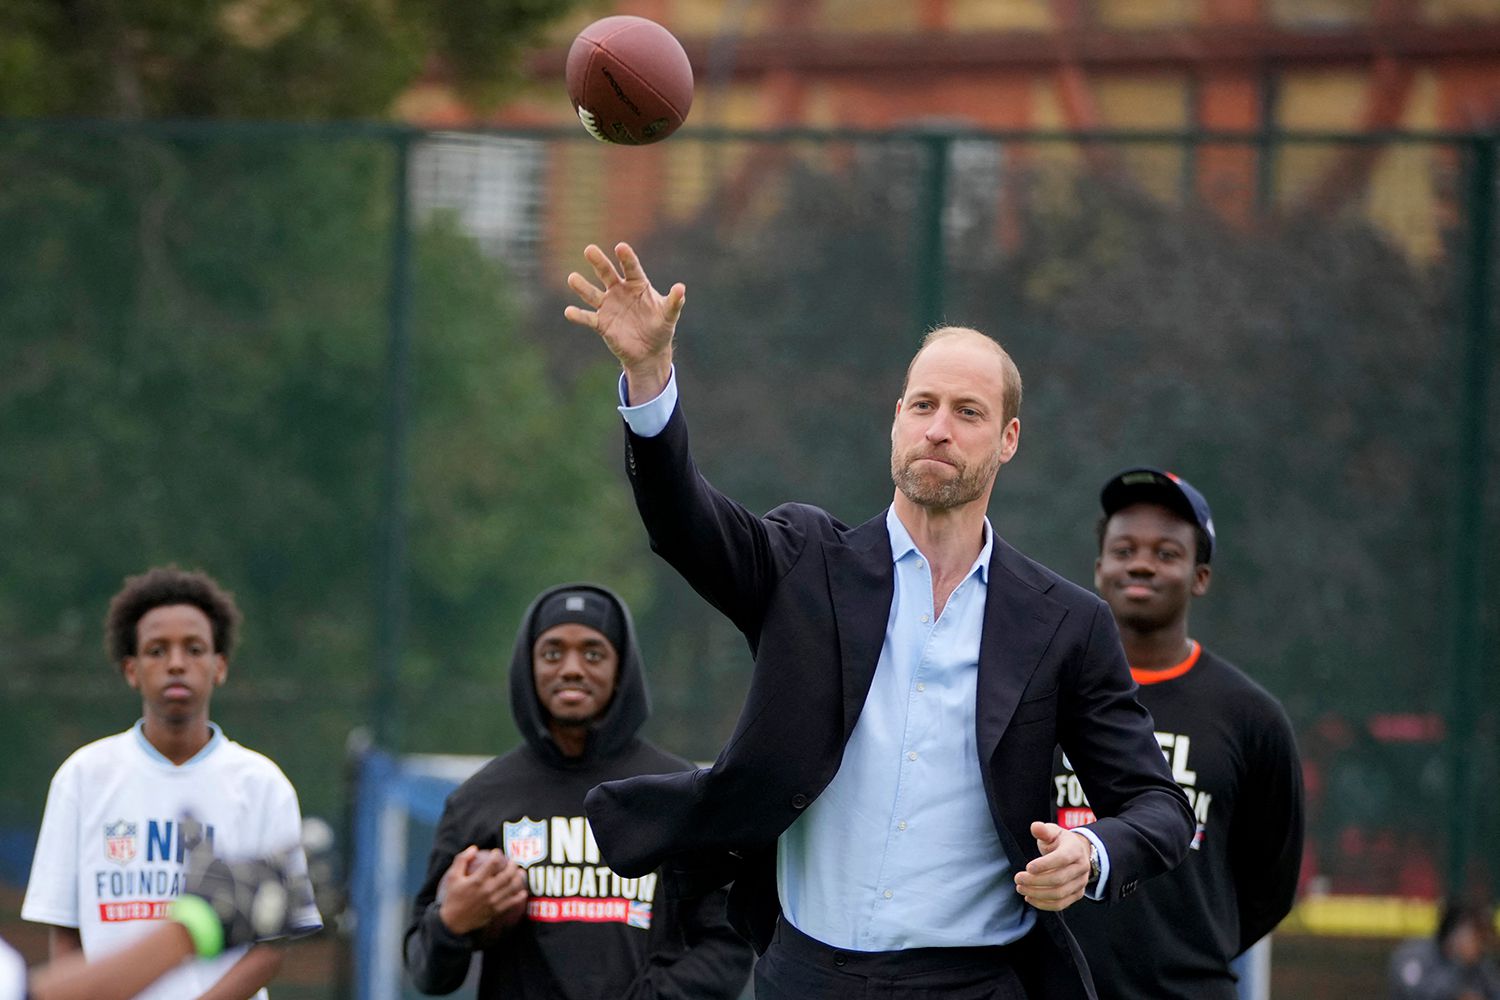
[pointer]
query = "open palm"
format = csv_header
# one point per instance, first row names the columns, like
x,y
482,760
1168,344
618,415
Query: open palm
x,y
635,321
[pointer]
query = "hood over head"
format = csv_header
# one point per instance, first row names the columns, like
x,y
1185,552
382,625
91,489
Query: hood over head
x,y
601,609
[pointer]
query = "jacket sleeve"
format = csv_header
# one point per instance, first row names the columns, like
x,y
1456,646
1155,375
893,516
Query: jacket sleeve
x,y
436,958
730,556
1143,816
1265,838
705,958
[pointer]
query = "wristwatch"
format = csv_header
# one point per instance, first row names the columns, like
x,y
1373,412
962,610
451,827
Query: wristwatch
x,y
1093,863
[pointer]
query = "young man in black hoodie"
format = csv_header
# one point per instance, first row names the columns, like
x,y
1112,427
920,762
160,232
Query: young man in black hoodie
x,y
1230,747
514,871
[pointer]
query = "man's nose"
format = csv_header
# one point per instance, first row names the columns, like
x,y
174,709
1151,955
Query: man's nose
x,y
939,428
176,658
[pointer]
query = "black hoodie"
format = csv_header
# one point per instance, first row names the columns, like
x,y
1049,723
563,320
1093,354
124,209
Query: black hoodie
x,y
588,934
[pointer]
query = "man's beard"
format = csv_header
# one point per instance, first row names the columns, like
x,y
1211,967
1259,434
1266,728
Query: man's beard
x,y
941,494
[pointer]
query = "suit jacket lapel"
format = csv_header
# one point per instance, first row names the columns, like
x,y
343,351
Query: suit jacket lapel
x,y
1019,622
862,582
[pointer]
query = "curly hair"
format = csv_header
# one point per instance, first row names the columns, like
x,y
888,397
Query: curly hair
x,y
162,586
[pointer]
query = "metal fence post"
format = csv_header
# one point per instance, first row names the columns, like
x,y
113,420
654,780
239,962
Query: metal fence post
x,y
1468,523
391,601
1266,143
932,261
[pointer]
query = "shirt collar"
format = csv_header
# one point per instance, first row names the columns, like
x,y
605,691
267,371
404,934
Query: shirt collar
x,y
902,545
215,737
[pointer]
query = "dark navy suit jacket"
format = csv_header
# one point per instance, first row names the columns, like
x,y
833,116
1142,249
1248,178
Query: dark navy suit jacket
x,y
812,597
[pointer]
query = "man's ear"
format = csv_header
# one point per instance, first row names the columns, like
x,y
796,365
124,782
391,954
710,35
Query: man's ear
x,y
1010,440
221,671
1202,574
127,670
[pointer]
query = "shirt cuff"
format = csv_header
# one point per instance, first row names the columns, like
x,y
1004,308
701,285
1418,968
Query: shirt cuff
x,y
649,418
1097,890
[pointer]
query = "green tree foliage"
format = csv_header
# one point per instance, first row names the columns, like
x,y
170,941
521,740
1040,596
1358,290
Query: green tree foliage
x,y
193,368
278,59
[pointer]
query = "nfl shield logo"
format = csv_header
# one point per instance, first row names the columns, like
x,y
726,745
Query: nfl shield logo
x,y
119,841
525,841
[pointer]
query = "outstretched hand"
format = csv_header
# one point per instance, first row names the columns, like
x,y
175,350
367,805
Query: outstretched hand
x,y
635,321
1057,879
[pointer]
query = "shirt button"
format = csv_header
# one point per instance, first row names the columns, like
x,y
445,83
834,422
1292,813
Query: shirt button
x,y
912,755
924,618
921,687
901,825
887,894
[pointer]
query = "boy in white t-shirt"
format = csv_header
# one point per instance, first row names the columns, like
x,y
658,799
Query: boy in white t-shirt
x,y
110,853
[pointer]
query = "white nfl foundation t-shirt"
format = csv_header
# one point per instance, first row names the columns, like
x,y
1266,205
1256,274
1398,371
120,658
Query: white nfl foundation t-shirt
x,y
12,974
109,856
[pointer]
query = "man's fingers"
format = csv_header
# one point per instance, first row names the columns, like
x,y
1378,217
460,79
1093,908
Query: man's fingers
x,y
630,263
602,265
1054,894
591,294
1048,864
676,299
512,881
506,887
1047,836
582,317
1050,890
1054,905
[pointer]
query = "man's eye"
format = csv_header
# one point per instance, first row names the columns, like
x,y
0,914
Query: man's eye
x,y
593,656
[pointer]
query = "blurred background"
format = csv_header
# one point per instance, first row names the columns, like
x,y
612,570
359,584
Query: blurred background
x,y
281,285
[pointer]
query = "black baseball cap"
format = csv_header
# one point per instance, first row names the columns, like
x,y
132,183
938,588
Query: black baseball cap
x,y
1167,489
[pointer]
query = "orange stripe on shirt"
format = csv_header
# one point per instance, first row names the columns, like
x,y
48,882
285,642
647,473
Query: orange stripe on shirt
x,y
1170,673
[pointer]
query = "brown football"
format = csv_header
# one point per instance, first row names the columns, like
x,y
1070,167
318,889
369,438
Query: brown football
x,y
629,80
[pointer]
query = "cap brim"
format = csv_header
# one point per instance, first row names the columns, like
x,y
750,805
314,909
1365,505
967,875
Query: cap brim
x,y
1146,486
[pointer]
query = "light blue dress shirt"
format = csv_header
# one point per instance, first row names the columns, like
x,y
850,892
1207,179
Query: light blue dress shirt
x,y
900,850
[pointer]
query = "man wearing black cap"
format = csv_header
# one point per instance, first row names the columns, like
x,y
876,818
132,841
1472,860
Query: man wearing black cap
x,y
515,872
1230,747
